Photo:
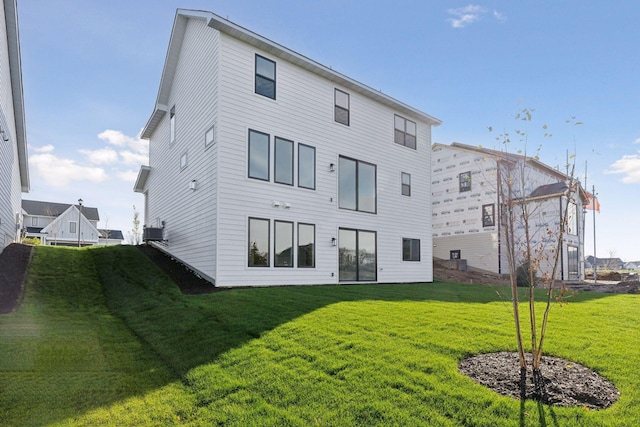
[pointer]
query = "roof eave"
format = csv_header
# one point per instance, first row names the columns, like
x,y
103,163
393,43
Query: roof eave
x,y
141,180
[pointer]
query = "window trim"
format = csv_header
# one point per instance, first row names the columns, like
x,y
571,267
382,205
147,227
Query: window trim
x,y
314,166
172,125
249,242
357,185
268,178
492,216
211,130
298,246
337,107
405,186
275,160
412,255
404,132
76,227
185,157
258,75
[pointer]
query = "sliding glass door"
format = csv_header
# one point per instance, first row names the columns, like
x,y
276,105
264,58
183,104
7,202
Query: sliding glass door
x,y
357,255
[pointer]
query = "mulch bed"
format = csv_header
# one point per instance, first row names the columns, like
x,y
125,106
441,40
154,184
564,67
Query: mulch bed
x,y
14,261
188,282
561,382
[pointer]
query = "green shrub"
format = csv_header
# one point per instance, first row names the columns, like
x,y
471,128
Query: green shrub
x,y
34,241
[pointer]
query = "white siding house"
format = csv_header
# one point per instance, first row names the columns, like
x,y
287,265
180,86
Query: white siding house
x,y
14,173
467,207
267,168
60,224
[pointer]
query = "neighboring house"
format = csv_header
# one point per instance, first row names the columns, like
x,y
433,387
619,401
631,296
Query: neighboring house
x,y
466,209
606,263
633,265
14,170
268,168
59,223
110,237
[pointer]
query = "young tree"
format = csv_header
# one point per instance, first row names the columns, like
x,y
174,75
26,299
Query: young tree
x,y
135,236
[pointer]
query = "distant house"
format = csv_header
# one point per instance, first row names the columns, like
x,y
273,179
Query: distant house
x,y
633,265
268,168
467,207
606,263
14,170
59,223
110,237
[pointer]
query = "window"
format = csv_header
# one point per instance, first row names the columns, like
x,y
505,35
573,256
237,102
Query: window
x,y
341,107
283,250
258,155
357,185
258,242
454,254
572,219
265,77
73,227
411,249
488,215
183,160
306,166
306,245
172,124
284,161
465,181
406,184
572,260
209,137
405,132
34,221
357,255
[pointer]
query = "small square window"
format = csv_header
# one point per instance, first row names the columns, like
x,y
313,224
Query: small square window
x,y
209,137
454,254
406,184
265,83
411,249
341,107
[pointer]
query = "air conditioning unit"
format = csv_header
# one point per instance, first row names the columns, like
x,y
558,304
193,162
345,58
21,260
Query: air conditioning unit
x,y
150,234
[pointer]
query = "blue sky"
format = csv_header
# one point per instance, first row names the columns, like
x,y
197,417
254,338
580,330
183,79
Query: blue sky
x,y
91,73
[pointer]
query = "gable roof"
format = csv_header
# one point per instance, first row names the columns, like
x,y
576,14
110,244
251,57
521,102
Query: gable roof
x,y
15,73
36,208
233,30
110,234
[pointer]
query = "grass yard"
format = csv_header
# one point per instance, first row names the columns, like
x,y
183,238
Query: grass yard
x,y
104,338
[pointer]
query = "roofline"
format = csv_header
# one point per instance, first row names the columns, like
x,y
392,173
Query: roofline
x,y
15,72
227,27
141,180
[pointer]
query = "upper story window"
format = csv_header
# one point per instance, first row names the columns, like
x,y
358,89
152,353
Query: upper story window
x,y
306,166
34,221
183,160
73,227
258,155
357,185
488,215
341,107
265,77
465,181
283,161
172,124
406,184
572,219
209,137
405,132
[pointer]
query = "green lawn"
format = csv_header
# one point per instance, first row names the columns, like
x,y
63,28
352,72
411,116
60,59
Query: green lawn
x,y
104,338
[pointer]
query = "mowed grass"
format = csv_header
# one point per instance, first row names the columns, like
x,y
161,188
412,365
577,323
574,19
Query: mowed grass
x,y
104,338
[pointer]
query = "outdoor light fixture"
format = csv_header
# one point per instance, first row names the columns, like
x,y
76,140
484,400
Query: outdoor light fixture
x,y
334,242
79,217
192,185
332,167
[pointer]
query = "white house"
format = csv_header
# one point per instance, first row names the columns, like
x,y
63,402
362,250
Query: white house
x,y
60,224
14,170
268,168
467,201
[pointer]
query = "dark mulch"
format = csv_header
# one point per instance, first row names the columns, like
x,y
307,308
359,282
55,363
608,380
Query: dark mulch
x,y
14,261
186,279
560,382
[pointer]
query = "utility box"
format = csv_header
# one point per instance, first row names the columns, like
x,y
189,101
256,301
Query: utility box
x,y
150,234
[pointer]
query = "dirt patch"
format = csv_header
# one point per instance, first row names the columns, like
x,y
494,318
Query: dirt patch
x,y
14,261
186,279
560,382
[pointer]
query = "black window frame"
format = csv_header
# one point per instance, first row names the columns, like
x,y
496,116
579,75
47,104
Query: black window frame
x,y
455,254
357,185
414,246
277,140
259,77
268,178
402,136
489,219
313,253
464,181
406,188
249,258
276,259
359,277
314,166
337,108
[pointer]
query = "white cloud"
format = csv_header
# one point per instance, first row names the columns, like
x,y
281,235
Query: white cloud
x,y
500,16
131,158
101,156
119,139
44,149
129,175
629,166
59,172
637,141
466,15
